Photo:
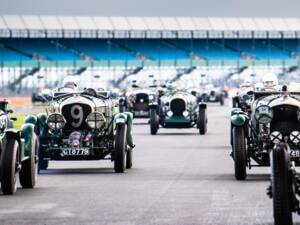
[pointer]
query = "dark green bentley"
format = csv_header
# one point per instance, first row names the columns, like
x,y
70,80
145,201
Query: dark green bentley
x,y
273,117
178,109
85,125
18,152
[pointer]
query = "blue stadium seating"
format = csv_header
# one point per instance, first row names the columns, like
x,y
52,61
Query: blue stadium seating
x,y
26,49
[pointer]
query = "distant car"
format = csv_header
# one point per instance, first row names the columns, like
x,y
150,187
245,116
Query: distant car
x,y
273,118
137,101
213,95
43,96
178,110
18,152
85,125
242,98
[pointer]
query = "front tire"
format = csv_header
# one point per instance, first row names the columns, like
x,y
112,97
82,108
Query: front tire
x,y
202,122
221,100
28,173
154,125
129,159
120,148
239,153
281,186
9,167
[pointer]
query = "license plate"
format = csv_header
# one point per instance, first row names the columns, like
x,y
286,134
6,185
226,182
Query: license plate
x,y
212,98
75,151
295,153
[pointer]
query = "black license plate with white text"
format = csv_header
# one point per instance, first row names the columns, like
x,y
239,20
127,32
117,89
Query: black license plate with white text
x,y
75,151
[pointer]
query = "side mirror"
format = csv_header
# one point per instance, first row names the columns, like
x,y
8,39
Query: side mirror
x,y
13,118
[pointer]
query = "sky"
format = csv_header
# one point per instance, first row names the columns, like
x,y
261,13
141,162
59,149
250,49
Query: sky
x,y
200,8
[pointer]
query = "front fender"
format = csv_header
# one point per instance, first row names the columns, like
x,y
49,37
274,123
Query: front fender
x,y
16,135
120,118
42,127
28,134
126,117
13,133
239,119
32,119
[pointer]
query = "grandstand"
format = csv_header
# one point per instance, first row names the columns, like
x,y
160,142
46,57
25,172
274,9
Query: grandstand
x,y
31,44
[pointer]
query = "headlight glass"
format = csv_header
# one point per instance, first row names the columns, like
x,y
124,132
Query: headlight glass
x,y
169,113
151,97
276,137
56,121
264,114
295,137
95,120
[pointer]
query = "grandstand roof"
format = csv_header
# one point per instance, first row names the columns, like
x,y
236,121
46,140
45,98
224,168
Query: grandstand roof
x,y
26,26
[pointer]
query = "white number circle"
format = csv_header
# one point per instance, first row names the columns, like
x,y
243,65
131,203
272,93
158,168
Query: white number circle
x,y
77,115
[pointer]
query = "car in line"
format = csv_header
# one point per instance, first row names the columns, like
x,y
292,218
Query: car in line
x,y
18,152
85,125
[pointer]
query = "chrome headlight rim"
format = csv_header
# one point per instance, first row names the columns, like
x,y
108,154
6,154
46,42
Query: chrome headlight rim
x,y
264,114
169,113
56,121
151,97
276,137
95,120
295,137
186,113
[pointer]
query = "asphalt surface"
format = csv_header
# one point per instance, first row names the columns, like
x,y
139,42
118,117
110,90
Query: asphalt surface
x,y
178,178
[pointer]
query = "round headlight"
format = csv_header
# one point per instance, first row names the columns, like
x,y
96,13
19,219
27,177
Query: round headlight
x,y
151,97
56,121
295,137
95,120
169,113
276,137
185,113
264,114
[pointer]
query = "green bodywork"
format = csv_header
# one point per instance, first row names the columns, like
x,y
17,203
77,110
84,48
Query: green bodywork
x,y
177,119
27,133
3,105
31,119
42,124
238,117
126,117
